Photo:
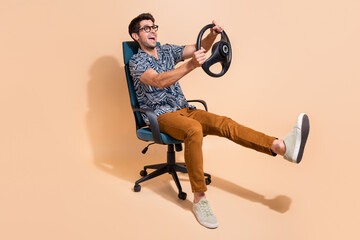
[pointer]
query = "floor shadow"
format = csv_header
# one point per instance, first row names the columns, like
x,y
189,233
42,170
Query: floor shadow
x,y
279,204
116,149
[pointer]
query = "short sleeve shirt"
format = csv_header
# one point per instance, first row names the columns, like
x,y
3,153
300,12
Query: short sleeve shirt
x,y
165,100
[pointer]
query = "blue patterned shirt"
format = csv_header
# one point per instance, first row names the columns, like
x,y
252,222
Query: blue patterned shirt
x,y
165,100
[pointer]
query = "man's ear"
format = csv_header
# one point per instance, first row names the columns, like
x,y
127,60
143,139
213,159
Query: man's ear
x,y
135,36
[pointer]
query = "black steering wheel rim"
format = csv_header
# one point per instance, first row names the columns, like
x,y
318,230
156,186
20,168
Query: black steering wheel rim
x,y
220,53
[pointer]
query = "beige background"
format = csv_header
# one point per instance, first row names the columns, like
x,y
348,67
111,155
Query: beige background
x,y
69,155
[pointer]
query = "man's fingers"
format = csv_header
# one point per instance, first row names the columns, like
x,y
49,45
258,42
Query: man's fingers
x,y
201,50
218,28
200,56
202,62
201,59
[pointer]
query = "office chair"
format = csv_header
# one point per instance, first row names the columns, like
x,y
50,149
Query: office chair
x,y
152,133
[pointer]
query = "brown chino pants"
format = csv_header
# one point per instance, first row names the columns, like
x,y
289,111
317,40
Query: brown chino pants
x,y
191,125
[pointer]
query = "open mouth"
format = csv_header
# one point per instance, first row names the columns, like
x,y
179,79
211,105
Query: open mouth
x,y
152,38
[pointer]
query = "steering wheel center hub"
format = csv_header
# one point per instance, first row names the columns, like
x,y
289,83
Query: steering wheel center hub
x,y
225,49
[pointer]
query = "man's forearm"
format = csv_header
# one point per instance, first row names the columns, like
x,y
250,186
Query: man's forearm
x,y
208,41
205,43
166,79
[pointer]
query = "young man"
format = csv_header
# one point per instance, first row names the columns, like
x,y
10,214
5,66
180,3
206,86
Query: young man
x,y
157,87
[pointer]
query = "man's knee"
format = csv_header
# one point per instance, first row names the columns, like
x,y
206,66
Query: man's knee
x,y
195,130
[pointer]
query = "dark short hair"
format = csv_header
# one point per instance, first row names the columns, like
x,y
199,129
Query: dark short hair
x,y
135,23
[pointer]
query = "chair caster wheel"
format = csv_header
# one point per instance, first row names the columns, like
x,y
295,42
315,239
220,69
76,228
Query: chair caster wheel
x,y
182,195
207,181
137,188
143,173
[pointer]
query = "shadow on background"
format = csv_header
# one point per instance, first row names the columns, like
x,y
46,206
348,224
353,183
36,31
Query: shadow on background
x,y
111,130
116,149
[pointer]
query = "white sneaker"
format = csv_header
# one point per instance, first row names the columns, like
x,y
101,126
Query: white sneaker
x,y
204,214
295,141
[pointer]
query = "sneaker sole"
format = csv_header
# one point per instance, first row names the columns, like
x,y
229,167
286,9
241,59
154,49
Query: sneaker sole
x,y
304,123
210,226
207,225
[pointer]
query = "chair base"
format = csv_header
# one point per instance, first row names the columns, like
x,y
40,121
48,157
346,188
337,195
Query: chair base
x,y
170,167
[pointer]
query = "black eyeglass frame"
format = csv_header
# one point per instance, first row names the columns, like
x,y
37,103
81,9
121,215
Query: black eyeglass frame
x,y
155,27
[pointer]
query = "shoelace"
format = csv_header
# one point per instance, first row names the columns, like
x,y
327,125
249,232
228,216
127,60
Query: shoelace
x,y
205,209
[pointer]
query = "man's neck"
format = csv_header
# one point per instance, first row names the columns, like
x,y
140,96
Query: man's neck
x,y
151,51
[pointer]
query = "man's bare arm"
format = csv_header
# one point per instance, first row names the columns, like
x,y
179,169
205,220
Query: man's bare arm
x,y
166,79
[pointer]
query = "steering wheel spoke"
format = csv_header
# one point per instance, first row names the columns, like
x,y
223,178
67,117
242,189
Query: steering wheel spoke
x,y
213,59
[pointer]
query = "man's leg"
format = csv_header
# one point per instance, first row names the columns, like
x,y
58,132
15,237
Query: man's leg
x,y
292,147
213,124
178,126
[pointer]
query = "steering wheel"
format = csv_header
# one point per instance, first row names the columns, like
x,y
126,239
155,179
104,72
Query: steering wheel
x,y
220,52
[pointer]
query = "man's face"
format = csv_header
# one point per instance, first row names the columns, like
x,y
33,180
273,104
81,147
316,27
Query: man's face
x,y
146,39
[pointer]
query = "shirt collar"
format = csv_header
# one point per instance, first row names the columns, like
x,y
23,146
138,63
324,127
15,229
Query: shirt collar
x,y
143,52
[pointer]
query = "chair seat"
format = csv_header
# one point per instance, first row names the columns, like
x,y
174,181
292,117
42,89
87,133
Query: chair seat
x,y
146,135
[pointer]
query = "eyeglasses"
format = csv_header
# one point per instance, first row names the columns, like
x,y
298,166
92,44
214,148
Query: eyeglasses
x,y
148,28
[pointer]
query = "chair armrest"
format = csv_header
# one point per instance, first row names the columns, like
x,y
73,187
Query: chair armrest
x,y
154,125
200,101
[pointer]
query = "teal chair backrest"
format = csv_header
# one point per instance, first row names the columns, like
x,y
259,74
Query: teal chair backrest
x,y
129,49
